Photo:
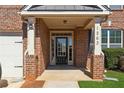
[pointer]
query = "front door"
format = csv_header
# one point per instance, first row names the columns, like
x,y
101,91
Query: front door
x,y
61,50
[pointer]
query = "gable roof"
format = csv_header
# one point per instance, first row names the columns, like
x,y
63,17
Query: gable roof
x,y
65,8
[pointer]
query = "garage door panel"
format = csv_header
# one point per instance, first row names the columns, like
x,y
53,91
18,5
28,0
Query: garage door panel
x,y
11,56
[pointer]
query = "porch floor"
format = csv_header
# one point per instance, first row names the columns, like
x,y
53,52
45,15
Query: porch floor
x,y
63,73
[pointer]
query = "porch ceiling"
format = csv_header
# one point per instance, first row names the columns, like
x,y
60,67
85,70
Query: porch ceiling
x,y
67,22
66,16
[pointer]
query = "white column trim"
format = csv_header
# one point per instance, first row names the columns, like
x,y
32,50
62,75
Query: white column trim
x,y
97,37
52,61
108,39
121,39
31,36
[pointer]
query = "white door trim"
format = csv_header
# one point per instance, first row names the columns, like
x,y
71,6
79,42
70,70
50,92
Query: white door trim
x,y
69,62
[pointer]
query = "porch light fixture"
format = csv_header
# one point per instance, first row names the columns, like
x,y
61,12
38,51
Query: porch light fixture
x,y
64,21
30,26
109,22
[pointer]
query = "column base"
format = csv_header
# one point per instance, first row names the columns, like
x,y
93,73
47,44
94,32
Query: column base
x,y
31,68
97,68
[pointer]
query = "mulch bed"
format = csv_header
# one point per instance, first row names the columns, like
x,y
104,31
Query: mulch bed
x,y
33,84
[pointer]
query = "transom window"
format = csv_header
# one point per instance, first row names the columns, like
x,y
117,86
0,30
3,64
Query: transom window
x,y
112,38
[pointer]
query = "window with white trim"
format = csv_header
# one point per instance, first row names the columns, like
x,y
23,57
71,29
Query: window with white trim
x,y
112,38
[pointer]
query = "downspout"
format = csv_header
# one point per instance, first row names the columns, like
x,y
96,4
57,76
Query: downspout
x,y
104,20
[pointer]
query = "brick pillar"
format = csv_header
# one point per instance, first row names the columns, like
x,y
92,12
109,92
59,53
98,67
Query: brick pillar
x,y
31,67
29,54
97,67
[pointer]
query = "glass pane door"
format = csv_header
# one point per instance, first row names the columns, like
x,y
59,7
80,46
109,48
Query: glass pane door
x,y
61,50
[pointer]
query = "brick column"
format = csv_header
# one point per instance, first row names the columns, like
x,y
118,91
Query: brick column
x,y
31,67
97,64
31,36
97,67
30,58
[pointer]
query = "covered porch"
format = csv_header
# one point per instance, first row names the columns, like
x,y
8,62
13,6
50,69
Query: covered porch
x,y
63,37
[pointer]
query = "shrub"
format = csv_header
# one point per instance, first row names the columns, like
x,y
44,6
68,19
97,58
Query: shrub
x,y
112,57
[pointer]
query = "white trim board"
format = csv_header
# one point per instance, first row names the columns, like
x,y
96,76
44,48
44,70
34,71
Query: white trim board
x,y
63,12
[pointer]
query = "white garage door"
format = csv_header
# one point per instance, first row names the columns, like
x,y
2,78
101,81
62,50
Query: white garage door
x,y
11,55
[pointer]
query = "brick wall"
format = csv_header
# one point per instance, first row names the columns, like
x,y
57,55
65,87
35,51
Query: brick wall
x,y
30,67
10,20
81,47
35,65
117,18
42,45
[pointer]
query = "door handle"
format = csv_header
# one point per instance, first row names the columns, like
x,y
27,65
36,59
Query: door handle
x,y
18,66
18,42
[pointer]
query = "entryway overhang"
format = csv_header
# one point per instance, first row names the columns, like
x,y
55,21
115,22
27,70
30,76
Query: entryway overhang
x,y
87,17
75,15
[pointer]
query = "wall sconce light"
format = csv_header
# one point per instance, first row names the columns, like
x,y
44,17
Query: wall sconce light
x,y
30,26
109,22
64,21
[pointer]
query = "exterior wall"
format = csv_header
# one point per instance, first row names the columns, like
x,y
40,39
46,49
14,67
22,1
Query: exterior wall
x,y
117,18
80,47
42,45
10,20
34,65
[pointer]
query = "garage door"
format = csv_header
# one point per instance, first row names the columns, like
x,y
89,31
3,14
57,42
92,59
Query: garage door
x,y
11,55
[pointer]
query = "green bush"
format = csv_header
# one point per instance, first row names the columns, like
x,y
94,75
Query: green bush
x,y
112,57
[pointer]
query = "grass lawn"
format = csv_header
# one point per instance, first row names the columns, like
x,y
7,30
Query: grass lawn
x,y
105,83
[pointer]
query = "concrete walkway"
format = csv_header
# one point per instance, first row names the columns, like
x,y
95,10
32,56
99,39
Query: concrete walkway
x,y
62,77
61,84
